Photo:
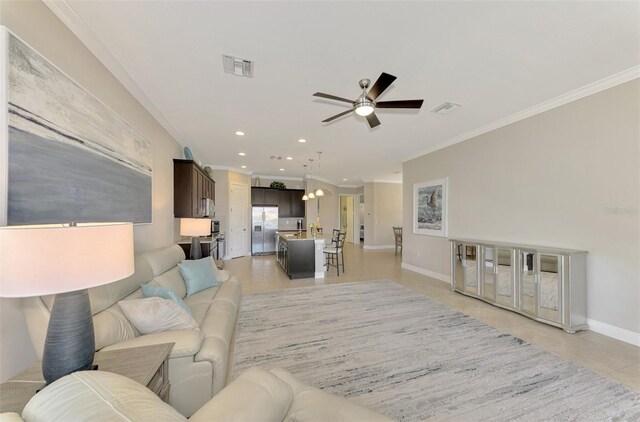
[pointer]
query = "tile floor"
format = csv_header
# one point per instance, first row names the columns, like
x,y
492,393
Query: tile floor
x,y
615,359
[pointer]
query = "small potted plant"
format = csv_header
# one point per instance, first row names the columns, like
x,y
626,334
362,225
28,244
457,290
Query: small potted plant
x,y
277,185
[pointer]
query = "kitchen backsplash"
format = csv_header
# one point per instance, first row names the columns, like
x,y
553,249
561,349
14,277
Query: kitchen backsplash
x,y
289,223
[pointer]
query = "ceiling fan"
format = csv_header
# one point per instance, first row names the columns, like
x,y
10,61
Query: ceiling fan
x,y
366,104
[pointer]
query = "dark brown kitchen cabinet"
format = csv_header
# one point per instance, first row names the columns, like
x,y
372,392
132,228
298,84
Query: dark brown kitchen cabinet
x,y
191,185
257,196
289,201
271,197
284,203
297,204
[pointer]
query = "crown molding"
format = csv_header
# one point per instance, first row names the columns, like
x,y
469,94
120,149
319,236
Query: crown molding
x,y
266,176
320,179
81,30
230,168
590,89
350,186
397,182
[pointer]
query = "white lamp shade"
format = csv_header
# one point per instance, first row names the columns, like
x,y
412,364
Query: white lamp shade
x,y
195,227
319,192
305,197
311,195
49,259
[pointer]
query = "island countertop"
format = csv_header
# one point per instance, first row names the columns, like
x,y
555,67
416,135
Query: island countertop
x,y
302,236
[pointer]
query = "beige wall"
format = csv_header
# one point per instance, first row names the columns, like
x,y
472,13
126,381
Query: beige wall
x,y
34,23
552,179
382,211
329,206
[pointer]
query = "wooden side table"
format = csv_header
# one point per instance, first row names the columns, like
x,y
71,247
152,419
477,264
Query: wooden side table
x,y
147,365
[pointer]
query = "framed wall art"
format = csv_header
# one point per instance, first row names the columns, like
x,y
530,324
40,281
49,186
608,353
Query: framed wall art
x,y
430,207
68,157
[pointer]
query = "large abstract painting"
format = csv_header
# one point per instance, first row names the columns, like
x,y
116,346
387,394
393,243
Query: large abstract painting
x,y
70,157
430,207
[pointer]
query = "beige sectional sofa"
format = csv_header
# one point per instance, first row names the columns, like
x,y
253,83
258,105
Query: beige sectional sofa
x,y
256,395
200,361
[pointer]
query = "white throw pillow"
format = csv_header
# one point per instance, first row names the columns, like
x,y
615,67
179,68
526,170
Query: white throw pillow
x,y
155,314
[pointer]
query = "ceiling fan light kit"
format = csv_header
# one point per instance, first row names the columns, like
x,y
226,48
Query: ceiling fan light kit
x,y
364,109
366,104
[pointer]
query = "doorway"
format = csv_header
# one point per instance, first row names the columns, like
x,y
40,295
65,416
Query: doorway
x,y
348,217
238,217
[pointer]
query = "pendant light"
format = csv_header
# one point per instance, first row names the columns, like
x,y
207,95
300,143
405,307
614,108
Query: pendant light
x,y
311,195
305,197
319,191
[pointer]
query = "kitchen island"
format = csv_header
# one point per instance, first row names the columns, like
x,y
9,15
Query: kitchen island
x,y
299,255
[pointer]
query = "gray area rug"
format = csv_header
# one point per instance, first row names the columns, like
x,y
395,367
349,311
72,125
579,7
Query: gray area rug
x,y
402,354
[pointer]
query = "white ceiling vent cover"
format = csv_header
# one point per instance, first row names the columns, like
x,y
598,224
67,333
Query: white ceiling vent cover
x,y
446,108
236,66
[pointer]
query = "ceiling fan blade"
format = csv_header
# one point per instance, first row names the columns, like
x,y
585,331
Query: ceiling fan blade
x,y
332,97
381,84
400,104
337,115
373,120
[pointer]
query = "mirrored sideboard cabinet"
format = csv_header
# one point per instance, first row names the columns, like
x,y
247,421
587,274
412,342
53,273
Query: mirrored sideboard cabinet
x,y
543,283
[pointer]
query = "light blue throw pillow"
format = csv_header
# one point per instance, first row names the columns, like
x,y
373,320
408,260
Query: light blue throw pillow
x,y
198,274
149,290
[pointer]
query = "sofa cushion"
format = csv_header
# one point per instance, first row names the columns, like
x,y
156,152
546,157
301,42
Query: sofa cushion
x,y
111,326
198,274
256,395
164,259
186,342
150,290
155,314
97,396
173,280
200,302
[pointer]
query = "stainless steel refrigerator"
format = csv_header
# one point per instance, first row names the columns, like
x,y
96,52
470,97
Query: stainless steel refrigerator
x,y
263,230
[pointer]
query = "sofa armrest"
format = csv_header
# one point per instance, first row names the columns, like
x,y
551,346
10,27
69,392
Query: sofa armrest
x,y
312,404
256,395
187,342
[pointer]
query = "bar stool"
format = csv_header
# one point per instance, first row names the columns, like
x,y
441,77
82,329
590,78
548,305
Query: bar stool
x,y
334,253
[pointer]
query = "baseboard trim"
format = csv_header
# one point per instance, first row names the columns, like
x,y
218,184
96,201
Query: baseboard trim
x,y
378,247
426,272
614,332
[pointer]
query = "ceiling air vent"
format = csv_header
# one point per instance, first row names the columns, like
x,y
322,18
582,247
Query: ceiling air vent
x,y
240,67
445,108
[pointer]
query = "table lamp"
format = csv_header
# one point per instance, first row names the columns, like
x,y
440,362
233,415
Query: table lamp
x,y
65,260
195,227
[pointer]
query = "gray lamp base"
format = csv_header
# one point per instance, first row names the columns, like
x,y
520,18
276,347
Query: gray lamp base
x,y
196,249
70,342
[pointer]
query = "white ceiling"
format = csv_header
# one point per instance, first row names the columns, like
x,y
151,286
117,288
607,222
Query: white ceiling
x,y
494,58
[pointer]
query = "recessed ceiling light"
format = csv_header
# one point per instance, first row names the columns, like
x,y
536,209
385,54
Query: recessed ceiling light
x,y
344,180
242,154
281,169
302,141
243,167
240,133
289,158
